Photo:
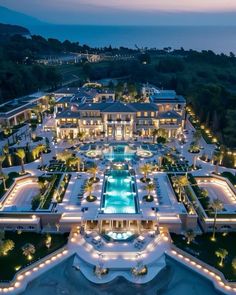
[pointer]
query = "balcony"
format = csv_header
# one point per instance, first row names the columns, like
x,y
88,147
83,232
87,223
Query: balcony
x,y
170,125
145,125
120,122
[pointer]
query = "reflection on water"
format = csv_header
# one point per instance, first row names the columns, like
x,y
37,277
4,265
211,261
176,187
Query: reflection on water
x,y
175,279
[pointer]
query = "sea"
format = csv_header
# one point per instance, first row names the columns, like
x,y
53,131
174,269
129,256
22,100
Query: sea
x,y
220,39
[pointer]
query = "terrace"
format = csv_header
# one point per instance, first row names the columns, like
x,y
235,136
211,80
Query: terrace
x,y
21,195
219,189
115,220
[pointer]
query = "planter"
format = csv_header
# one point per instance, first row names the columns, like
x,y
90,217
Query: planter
x,y
145,180
148,198
91,198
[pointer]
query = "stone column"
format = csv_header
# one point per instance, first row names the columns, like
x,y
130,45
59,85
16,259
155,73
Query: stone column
x,y
15,120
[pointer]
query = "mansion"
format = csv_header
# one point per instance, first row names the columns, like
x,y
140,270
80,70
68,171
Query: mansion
x,y
121,121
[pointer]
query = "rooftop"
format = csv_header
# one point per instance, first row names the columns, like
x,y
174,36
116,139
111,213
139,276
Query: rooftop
x,y
15,105
67,114
165,96
169,114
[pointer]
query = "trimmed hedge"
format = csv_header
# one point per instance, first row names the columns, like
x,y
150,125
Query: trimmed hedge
x,y
230,177
9,182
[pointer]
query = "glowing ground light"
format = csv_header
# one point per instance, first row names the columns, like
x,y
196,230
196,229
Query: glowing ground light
x,y
119,236
144,154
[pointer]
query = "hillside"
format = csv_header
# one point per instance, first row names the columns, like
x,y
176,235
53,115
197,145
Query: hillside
x,y
9,16
6,30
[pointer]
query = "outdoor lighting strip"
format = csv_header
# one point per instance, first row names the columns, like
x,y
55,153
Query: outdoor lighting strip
x,y
219,283
30,271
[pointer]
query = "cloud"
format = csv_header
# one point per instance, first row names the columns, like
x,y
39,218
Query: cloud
x,y
129,12
167,5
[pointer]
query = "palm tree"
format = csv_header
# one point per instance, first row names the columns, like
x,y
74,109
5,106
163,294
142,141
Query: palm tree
x,y
28,250
194,162
64,156
149,188
204,193
216,158
182,182
57,226
20,153
48,241
38,109
81,135
41,149
56,194
223,151
4,177
145,169
162,133
6,246
234,263
74,161
221,253
88,189
190,235
79,161
7,154
216,205
93,170
35,152
2,158
155,133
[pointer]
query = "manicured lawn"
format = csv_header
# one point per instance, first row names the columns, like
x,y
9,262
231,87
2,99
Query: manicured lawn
x,y
204,249
16,260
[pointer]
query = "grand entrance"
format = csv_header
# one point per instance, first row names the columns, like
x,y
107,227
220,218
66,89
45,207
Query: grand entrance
x,y
119,133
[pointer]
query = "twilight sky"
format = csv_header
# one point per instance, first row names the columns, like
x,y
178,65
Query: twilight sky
x,y
128,11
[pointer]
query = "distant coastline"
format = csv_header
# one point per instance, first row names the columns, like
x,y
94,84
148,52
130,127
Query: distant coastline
x,y
220,39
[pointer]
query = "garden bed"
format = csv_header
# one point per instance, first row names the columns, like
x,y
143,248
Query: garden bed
x,y
9,182
203,200
148,198
204,249
55,180
91,199
64,184
15,260
230,177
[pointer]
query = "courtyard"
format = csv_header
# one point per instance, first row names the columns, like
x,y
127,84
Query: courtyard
x,y
20,199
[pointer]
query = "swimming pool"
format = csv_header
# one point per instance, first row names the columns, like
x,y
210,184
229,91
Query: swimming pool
x,y
119,153
119,194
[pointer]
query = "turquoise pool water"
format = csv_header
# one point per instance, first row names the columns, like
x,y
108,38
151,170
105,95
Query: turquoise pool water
x,y
119,192
119,153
